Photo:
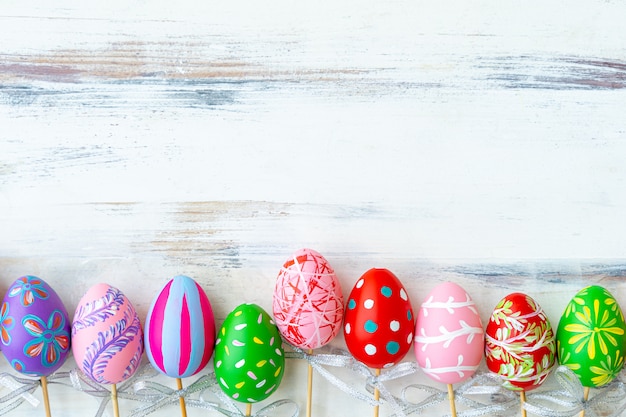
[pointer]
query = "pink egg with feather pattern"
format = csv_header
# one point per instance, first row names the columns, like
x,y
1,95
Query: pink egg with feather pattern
x,y
107,338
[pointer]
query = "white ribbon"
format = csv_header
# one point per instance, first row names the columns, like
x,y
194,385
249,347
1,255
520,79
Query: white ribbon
x,y
342,359
609,401
21,390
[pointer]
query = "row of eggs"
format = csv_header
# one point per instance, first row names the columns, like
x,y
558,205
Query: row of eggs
x,y
378,322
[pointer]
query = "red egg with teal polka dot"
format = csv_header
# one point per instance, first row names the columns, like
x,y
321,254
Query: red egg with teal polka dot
x,y
379,322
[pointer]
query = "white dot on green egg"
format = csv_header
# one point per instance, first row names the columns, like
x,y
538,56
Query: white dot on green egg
x,y
217,342
370,349
278,352
272,322
260,384
238,343
224,383
348,328
403,294
272,341
240,363
235,395
260,318
359,283
369,303
252,375
270,389
394,325
241,326
218,364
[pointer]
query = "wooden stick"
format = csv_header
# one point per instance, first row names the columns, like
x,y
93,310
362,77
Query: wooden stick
x,y
522,399
451,399
309,394
249,409
585,397
376,394
46,398
183,407
116,407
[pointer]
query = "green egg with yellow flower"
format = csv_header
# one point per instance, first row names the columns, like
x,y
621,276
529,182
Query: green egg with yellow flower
x,y
249,360
591,336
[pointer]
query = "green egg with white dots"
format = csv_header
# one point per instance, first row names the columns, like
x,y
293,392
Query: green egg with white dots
x,y
249,360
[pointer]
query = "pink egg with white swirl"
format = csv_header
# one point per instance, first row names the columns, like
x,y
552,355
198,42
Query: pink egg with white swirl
x,y
308,302
449,337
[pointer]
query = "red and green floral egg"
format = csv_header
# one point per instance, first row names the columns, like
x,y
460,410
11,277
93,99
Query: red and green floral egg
x,y
519,342
379,322
249,360
591,336
35,327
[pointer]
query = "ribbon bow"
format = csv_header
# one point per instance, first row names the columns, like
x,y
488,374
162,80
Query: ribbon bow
x,y
376,382
569,400
481,384
341,358
22,390
158,395
82,383
336,358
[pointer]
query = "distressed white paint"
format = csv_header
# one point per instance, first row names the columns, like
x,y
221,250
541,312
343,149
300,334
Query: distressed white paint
x,y
477,142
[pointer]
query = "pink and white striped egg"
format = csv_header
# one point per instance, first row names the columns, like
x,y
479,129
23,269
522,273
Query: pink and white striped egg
x,y
308,303
449,335
180,328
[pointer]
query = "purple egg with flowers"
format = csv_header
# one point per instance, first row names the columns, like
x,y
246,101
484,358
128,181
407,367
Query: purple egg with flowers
x,y
34,327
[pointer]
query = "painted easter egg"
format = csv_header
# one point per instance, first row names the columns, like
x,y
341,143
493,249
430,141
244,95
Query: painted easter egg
x,y
35,327
249,360
449,337
308,303
591,336
519,343
107,339
180,329
378,322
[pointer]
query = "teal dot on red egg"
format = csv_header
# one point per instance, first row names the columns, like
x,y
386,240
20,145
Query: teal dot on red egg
x,y
409,316
370,326
386,291
392,347
351,304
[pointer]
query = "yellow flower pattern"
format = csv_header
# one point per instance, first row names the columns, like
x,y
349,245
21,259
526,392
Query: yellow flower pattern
x,y
592,329
591,336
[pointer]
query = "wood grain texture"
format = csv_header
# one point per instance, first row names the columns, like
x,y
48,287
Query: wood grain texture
x,y
476,142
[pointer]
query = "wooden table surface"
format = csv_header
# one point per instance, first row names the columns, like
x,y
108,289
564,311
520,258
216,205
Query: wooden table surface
x,y
477,142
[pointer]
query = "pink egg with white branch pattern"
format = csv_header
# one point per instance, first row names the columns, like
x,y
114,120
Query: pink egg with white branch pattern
x,y
308,303
449,336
